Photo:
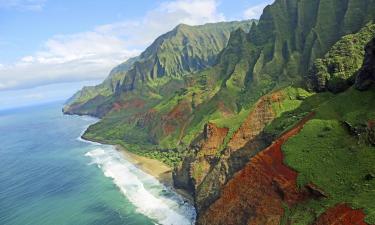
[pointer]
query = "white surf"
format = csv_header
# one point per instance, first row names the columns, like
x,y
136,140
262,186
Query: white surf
x,y
150,197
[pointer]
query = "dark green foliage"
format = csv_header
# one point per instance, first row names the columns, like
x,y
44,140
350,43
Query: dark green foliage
x,y
336,71
290,35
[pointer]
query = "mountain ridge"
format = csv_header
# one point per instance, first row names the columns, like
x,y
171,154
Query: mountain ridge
x,y
214,123
196,48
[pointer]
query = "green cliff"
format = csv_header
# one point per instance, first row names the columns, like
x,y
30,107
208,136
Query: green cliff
x,y
220,101
184,50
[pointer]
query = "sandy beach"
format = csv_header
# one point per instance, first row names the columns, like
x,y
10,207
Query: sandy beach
x,y
155,168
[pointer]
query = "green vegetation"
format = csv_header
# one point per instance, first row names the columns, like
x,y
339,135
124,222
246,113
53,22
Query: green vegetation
x,y
337,70
297,104
184,50
215,72
157,104
333,152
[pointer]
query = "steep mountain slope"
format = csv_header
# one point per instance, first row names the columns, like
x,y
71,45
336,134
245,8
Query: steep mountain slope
x,y
291,34
183,50
321,175
277,52
247,140
335,71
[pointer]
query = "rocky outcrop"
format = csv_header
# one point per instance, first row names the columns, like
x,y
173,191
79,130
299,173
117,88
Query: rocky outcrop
x,y
366,76
255,121
207,171
181,175
362,130
256,195
194,168
90,108
341,214
246,142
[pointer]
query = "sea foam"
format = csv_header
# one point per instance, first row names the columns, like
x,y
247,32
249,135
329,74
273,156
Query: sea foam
x,y
150,197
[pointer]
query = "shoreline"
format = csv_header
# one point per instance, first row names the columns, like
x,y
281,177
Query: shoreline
x,y
155,168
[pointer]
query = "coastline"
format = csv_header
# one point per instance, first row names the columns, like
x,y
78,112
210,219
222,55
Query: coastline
x,y
157,169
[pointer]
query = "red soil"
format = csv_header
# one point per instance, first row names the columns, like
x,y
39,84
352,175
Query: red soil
x,y
257,193
134,103
255,122
176,118
342,215
213,138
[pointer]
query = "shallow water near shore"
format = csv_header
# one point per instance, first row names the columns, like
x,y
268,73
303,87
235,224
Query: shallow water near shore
x,y
49,176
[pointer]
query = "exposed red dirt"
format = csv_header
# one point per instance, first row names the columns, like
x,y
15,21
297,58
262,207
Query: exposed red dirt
x,y
176,118
213,138
342,215
134,103
255,122
256,194
225,111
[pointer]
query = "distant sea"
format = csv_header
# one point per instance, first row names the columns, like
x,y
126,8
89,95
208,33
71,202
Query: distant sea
x,y
49,176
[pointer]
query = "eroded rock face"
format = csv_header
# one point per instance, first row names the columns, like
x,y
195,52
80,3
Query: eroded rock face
x,y
256,194
181,175
341,215
255,121
204,173
366,76
206,157
246,142
195,167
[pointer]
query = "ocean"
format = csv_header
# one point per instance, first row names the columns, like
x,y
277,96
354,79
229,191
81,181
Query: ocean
x,y
49,176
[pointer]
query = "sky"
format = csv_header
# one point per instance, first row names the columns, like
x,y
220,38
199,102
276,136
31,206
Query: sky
x,y
49,45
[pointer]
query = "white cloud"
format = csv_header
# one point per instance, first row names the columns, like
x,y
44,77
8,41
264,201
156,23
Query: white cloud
x,y
34,96
27,59
90,55
164,18
83,56
23,5
254,12
193,12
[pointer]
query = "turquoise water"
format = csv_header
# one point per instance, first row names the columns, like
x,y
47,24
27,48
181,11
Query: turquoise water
x,y
48,176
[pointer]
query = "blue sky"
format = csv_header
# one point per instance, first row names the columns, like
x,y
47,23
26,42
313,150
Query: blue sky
x,y
44,42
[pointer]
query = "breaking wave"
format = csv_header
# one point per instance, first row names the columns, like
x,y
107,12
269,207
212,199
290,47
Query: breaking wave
x,y
149,196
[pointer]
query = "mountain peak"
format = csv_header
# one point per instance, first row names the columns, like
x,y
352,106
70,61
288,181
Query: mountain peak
x,y
182,26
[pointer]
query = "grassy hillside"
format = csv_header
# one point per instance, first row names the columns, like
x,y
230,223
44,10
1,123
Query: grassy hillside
x,y
158,103
245,83
334,151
